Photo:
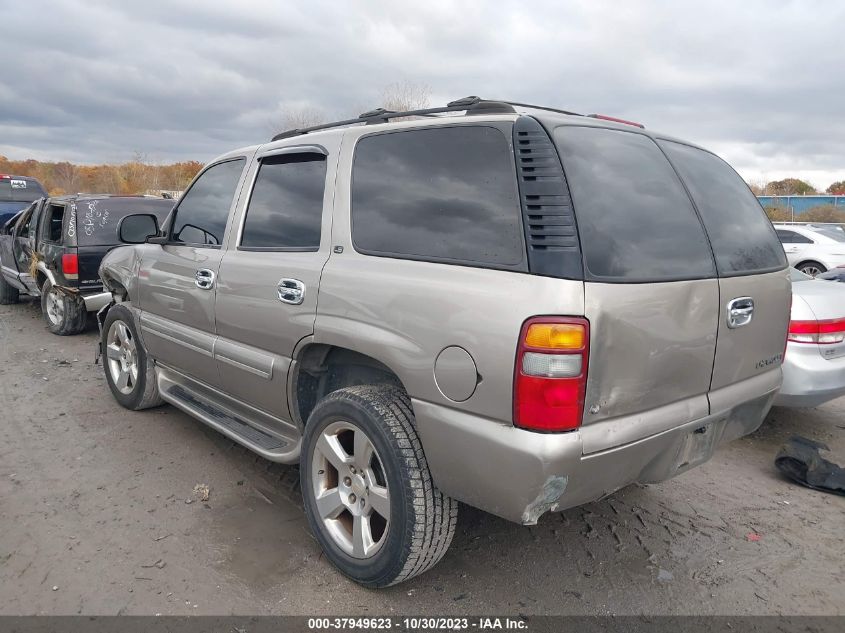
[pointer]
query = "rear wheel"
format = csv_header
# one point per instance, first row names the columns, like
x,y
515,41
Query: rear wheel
x,y
811,268
64,312
130,373
367,490
8,293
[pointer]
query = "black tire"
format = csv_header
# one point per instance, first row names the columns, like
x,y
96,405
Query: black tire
x,y
67,316
8,293
814,267
143,390
422,519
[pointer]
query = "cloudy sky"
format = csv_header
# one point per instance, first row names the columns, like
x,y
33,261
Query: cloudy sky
x,y
761,83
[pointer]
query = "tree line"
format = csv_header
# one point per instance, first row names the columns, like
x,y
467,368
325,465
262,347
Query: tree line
x,y
136,176
795,187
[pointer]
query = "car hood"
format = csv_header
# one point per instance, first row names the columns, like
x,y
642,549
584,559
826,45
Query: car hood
x,y
816,299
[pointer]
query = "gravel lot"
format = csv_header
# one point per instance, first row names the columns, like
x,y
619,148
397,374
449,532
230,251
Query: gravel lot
x,y
95,519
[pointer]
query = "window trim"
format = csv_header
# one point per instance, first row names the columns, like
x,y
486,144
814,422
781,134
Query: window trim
x,y
505,128
719,273
175,211
281,151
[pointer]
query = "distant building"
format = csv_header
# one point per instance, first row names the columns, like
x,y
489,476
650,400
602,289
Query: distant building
x,y
800,204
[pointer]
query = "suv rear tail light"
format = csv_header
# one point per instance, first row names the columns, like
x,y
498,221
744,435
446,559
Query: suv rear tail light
x,y
70,265
550,374
821,332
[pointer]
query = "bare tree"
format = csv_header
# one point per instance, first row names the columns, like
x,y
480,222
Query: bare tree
x,y
67,177
295,118
405,95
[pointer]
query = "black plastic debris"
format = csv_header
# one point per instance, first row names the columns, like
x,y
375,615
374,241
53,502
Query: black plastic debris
x,y
800,460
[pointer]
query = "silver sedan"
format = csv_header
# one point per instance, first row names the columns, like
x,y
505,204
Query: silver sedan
x,y
814,366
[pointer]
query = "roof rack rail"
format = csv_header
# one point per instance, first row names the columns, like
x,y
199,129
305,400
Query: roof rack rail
x,y
471,105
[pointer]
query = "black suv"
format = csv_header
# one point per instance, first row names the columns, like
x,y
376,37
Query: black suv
x,y
53,250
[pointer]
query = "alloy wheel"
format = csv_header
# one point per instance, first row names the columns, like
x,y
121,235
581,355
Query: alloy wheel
x,y
122,357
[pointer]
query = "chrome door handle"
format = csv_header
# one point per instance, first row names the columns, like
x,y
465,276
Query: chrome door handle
x,y
291,291
205,279
740,311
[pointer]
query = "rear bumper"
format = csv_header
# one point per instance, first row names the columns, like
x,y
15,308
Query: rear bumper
x,y
94,302
519,475
809,379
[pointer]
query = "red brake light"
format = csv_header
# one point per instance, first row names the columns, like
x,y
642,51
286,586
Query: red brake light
x,y
550,381
604,117
70,264
822,332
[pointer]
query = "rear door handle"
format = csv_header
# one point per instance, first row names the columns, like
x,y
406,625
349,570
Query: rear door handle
x,y
291,291
205,279
740,311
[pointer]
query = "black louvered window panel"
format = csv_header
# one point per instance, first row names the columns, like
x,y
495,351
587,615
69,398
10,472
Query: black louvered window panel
x,y
550,232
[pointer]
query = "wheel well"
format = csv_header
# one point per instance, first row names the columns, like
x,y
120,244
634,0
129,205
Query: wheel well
x,y
810,261
326,368
40,278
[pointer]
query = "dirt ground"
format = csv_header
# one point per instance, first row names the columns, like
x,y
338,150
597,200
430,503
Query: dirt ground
x,y
98,515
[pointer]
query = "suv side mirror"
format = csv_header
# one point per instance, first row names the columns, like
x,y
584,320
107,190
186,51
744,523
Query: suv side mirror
x,y
137,228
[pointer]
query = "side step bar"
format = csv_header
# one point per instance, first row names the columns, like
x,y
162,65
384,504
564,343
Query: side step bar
x,y
230,418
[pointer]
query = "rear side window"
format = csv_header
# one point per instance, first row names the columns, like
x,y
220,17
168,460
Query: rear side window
x,y
286,207
54,222
791,237
441,194
202,212
742,236
635,221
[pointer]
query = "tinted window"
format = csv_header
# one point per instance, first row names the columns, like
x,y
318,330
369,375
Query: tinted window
x,y
635,220
742,236
439,194
791,237
20,190
286,206
202,212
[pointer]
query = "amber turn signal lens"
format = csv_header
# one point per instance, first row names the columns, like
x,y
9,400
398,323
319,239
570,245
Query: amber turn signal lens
x,y
555,336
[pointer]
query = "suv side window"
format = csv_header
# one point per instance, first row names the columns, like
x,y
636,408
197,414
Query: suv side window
x,y
445,194
742,236
791,237
52,231
635,221
285,209
200,219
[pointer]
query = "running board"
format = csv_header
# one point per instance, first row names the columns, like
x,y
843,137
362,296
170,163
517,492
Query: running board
x,y
210,406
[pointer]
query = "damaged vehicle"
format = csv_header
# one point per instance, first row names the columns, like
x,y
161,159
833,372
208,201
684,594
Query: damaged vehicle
x,y
814,368
54,248
514,307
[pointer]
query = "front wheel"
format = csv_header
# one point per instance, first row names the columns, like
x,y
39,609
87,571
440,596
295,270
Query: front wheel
x,y
367,490
812,268
130,373
63,311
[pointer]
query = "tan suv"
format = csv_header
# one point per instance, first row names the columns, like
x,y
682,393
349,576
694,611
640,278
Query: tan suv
x,y
514,307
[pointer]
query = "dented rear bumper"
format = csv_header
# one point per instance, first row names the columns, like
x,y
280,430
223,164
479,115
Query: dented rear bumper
x,y
519,475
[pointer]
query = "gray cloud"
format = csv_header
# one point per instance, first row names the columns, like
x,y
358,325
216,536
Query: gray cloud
x,y
97,81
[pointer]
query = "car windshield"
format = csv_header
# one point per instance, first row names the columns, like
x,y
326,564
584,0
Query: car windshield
x,y
796,275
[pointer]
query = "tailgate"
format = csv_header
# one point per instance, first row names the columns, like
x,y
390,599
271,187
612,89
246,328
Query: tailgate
x,y
89,264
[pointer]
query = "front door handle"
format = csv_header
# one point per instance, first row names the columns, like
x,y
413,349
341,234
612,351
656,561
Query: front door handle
x,y
205,279
740,311
291,291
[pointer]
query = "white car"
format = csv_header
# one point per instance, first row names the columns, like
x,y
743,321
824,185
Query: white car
x,y
814,365
813,248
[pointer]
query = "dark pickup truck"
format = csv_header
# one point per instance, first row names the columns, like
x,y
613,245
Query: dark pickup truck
x,y
54,247
16,193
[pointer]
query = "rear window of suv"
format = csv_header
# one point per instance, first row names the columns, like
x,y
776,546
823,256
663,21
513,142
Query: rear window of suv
x,y
20,190
635,220
743,238
443,194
